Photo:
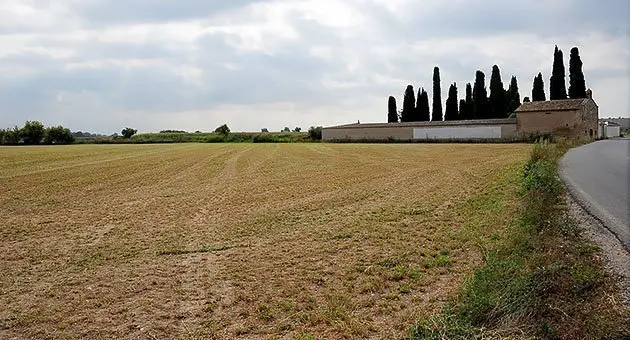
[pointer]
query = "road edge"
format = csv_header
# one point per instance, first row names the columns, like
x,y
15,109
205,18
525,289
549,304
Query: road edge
x,y
594,210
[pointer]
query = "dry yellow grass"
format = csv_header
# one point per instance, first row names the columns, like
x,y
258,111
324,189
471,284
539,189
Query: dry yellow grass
x,y
256,241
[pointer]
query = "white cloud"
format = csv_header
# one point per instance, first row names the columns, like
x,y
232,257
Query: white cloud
x,y
192,65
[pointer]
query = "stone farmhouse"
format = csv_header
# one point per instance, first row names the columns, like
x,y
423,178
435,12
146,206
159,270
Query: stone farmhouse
x,y
571,118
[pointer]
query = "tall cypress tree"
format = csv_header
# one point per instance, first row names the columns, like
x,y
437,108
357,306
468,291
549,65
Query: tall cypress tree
x,y
409,105
497,94
462,109
392,110
451,103
577,85
538,90
480,96
417,113
425,112
469,108
437,96
513,97
557,82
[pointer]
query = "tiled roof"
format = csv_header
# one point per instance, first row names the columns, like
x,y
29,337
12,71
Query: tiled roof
x,y
553,105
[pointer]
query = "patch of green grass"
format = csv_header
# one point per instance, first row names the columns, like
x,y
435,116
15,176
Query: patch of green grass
x,y
341,236
203,249
437,261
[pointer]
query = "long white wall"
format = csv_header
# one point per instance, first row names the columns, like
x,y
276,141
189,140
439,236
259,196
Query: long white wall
x,y
458,132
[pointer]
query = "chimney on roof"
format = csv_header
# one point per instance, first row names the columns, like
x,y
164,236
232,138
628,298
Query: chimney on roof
x,y
589,94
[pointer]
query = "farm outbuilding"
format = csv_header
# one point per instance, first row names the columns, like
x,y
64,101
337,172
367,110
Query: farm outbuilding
x,y
572,118
462,129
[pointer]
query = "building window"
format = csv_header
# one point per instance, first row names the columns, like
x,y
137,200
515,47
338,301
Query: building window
x,y
590,133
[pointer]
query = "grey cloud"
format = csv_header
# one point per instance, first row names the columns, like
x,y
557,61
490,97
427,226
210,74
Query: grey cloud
x,y
100,12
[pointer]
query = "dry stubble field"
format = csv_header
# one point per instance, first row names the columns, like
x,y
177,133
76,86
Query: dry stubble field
x,y
243,240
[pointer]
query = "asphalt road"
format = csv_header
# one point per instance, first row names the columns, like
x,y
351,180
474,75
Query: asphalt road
x,y
598,176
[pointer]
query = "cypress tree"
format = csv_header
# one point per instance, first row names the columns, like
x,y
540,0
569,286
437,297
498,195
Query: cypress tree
x,y
425,112
392,111
480,96
577,85
513,97
417,113
469,109
497,94
557,85
462,109
437,96
538,90
451,103
409,105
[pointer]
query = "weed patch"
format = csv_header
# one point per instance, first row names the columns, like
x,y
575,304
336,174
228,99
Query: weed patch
x,y
203,249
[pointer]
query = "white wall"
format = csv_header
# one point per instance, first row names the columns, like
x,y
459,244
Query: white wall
x,y
458,132
613,131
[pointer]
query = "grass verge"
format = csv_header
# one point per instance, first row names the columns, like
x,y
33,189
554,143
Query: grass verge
x,y
542,281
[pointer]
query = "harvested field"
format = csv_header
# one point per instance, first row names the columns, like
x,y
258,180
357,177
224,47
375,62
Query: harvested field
x,y
243,240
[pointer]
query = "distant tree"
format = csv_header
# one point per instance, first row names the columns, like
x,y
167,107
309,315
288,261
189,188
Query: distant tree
x,y
437,96
392,110
223,129
557,82
425,112
497,94
58,135
513,97
467,111
286,129
128,132
480,97
297,129
417,113
538,89
10,136
577,85
264,130
409,105
451,111
461,115
315,133
32,133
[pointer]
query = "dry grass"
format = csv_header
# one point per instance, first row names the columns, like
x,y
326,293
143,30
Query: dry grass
x,y
198,241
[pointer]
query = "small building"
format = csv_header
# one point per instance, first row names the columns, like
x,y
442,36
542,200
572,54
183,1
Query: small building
x,y
608,130
623,123
572,118
455,130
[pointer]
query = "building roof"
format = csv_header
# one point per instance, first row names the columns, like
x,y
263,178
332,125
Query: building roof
x,y
553,105
426,124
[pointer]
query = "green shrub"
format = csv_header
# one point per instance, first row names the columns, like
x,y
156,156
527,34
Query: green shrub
x,y
223,129
32,133
128,132
58,135
315,133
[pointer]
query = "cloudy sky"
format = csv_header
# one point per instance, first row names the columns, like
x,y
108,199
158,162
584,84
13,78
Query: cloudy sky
x,y
101,65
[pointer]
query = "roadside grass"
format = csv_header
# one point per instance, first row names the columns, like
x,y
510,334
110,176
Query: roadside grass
x,y
543,280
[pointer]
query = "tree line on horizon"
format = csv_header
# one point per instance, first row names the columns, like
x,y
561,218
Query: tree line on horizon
x,y
477,104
